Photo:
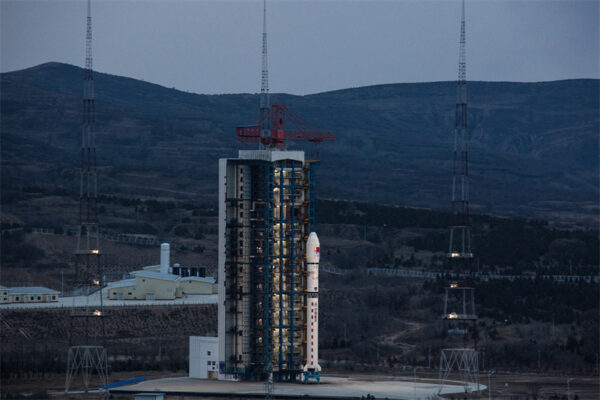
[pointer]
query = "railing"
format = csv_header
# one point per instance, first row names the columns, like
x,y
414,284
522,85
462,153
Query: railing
x,y
411,273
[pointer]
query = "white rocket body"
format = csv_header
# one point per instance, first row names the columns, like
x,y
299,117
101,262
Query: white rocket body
x,y
313,252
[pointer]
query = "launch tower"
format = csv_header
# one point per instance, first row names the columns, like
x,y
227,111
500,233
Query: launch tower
x,y
266,216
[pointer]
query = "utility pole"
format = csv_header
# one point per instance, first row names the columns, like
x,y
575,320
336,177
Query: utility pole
x,y
490,373
569,388
415,382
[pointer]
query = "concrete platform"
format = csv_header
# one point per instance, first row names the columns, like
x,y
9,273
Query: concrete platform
x,y
329,388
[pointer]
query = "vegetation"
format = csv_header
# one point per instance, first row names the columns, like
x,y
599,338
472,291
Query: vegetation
x,y
513,244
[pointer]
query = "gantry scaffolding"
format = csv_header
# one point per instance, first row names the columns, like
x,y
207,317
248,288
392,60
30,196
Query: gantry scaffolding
x,y
269,214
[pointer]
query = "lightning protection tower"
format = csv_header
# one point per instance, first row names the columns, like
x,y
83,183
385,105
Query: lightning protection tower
x,y
86,357
459,303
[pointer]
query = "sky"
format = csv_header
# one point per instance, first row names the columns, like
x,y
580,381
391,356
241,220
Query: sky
x,y
214,47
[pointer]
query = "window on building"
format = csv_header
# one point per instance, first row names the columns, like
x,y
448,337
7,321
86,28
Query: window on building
x,y
143,280
31,297
39,297
17,298
53,297
208,363
241,234
129,293
241,214
208,353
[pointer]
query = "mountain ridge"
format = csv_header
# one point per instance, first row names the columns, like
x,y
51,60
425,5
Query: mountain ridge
x,y
542,136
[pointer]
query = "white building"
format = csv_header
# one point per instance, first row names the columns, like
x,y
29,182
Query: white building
x,y
204,357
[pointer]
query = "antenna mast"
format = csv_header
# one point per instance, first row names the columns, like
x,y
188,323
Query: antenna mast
x,y
85,357
265,109
460,231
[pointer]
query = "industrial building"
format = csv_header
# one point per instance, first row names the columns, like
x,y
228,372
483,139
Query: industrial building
x,y
156,282
28,294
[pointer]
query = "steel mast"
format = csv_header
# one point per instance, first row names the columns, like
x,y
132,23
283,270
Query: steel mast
x,y
265,109
85,357
460,230
459,317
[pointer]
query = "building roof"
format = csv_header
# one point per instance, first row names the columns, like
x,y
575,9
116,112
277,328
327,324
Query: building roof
x,y
123,283
209,279
3,287
155,275
32,290
151,267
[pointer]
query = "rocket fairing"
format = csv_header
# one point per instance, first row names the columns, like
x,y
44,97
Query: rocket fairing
x,y
313,252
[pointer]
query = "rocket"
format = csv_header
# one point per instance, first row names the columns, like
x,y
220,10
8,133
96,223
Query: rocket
x,y
313,252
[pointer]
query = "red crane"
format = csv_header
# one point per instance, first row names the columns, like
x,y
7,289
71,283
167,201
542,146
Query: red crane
x,y
279,114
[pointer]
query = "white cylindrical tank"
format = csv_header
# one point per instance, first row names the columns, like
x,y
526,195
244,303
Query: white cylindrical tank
x,y
313,253
164,258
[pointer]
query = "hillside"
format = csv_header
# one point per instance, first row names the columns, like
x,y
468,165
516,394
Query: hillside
x,y
534,146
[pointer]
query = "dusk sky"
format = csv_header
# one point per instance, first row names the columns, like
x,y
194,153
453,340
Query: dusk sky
x,y
314,46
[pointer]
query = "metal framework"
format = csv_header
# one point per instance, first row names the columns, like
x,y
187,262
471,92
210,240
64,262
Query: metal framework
x,y
465,361
459,301
460,230
87,360
268,219
87,323
265,110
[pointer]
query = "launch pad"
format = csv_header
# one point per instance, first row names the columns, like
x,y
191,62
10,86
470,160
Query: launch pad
x,y
329,388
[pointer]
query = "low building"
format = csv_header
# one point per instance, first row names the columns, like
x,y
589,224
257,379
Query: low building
x,y
147,285
28,294
197,285
121,290
204,357
3,294
155,282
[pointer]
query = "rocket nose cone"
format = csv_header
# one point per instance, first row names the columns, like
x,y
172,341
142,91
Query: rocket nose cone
x,y
313,248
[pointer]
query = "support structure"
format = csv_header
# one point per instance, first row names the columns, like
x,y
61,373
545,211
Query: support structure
x,y
87,361
264,226
464,361
266,213
459,309
86,354
459,318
